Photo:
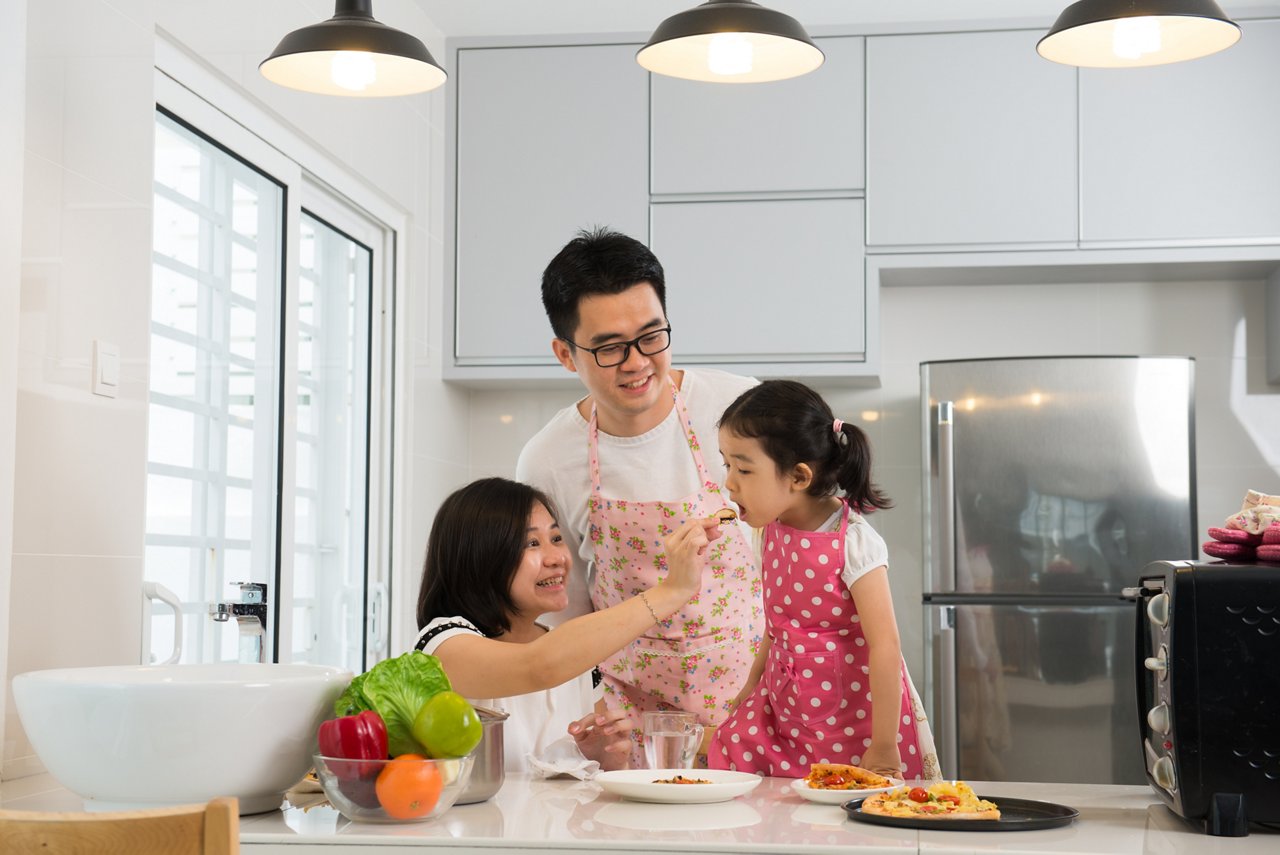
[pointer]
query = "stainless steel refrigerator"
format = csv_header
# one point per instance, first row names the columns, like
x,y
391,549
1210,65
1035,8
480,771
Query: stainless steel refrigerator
x,y
1049,483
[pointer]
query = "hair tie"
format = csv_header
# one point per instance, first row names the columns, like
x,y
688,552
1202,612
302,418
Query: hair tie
x,y
837,426
837,429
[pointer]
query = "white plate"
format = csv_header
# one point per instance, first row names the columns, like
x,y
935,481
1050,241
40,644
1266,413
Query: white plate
x,y
638,785
836,797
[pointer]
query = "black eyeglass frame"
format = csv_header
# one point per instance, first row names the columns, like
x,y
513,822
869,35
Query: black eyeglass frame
x,y
626,347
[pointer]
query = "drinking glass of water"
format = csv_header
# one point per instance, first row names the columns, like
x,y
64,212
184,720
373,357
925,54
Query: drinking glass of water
x,y
671,739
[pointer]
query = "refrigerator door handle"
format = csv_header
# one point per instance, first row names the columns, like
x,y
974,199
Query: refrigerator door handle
x,y
945,568
948,724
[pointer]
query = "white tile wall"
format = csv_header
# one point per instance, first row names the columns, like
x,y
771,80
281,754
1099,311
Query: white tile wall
x,y
1218,323
74,596
13,74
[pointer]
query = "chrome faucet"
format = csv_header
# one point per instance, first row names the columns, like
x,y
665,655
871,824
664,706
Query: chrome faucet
x,y
251,617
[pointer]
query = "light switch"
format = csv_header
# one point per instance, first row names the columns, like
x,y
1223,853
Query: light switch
x,y
106,369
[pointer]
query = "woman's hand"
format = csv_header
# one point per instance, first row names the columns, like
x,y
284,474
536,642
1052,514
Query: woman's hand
x,y
604,736
883,760
686,548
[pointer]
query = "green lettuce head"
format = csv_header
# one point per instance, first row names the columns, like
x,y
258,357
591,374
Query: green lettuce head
x,y
396,689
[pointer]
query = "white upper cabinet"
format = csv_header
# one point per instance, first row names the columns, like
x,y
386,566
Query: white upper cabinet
x,y
760,283
550,140
1187,152
789,136
971,139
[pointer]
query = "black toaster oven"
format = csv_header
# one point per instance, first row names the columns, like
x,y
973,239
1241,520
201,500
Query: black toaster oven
x,y
1208,671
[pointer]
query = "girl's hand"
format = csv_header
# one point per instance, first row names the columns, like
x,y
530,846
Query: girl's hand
x,y
685,548
883,761
604,737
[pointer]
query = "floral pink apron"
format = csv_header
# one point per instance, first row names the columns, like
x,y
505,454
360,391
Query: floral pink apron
x,y
699,658
813,702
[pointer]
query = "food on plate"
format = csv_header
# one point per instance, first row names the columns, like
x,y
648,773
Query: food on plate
x,y
681,779
837,776
408,788
943,800
726,515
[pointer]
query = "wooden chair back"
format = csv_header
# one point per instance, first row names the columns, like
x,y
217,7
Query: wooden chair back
x,y
209,829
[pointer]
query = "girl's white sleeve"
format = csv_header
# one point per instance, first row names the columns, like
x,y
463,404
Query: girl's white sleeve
x,y
864,550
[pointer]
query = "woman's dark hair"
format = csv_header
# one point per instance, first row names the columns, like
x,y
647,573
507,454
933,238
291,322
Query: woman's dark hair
x,y
794,425
477,541
599,261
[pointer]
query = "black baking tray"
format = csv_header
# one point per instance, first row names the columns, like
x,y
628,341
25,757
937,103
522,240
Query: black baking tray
x,y
1015,815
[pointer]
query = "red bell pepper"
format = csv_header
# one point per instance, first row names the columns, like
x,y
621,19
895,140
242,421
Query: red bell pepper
x,y
355,737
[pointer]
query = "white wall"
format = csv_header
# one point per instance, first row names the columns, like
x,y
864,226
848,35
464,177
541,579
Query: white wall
x,y
79,485
13,76
1219,323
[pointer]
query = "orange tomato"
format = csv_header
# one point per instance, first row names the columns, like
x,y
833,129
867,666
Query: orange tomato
x,y
409,787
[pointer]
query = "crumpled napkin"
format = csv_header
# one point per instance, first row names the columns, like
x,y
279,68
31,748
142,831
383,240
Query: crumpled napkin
x,y
1257,512
562,757
307,793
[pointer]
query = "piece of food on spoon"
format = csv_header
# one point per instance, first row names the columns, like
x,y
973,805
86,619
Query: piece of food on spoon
x,y
838,776
726,515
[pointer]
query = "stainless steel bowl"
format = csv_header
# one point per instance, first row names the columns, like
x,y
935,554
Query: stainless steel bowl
x,y
489,770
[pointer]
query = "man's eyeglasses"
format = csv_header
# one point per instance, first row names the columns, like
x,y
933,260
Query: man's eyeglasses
x,y
617,352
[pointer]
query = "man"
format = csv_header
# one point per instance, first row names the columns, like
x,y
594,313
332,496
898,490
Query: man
x,y
628,463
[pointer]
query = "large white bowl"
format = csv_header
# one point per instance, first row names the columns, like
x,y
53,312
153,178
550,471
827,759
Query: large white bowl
x,y
124,737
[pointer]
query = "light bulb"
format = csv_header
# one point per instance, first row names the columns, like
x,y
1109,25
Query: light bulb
x,y
1132,37
353,70
729,54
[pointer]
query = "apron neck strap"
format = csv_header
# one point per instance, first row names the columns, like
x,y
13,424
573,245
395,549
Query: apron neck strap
x,y
686,425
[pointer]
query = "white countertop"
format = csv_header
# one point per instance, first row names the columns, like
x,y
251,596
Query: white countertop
x,y
571,817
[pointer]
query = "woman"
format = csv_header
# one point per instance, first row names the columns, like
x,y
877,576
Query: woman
x,y
495,563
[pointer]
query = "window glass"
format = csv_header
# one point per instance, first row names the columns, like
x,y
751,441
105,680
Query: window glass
x,y
213,429
331,454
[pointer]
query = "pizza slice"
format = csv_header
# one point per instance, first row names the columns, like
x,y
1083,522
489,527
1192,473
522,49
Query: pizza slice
x,y
943,800
838,776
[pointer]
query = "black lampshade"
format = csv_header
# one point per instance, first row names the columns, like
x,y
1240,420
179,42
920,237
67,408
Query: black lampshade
x,y
351,54
1131,33
730,41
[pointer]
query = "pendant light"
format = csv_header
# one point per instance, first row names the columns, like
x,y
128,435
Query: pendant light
x,y
352,54
1132,33
730,41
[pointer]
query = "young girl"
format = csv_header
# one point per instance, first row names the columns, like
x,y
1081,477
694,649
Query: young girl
x,y
829,684
495,562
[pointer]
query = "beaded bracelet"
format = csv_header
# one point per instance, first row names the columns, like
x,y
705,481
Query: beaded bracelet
x,y
649,606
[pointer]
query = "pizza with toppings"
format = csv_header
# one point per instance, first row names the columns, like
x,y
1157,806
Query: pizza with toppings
x,y
943,800
837,776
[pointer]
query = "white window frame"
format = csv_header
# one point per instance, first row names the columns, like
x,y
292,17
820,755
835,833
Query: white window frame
x,y
188,89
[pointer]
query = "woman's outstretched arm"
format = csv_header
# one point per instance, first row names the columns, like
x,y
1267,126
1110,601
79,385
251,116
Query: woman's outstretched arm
x,y
487,668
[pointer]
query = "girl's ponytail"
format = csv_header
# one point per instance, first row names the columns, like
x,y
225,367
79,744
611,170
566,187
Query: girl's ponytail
x,y
853,469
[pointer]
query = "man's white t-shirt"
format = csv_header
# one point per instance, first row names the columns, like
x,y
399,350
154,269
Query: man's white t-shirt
x,y
654,466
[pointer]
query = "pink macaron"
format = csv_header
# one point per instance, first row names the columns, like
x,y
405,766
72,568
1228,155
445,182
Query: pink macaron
x,y
1234,535
1239,551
